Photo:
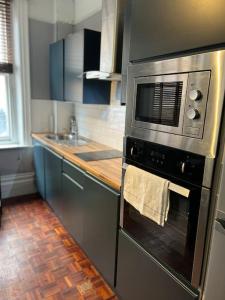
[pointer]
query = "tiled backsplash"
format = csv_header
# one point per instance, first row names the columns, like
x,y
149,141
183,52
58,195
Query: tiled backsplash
x,y
102,123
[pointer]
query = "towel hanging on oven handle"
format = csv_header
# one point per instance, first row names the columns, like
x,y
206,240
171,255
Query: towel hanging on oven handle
x,y
172,187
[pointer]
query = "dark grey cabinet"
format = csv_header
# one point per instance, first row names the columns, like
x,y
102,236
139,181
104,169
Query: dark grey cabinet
x,y
82,54
53,181
159,28
73,200
100,226
140,276
38,156
56,58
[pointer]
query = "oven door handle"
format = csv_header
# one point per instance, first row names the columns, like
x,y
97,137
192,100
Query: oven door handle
x,y
179,190
172,186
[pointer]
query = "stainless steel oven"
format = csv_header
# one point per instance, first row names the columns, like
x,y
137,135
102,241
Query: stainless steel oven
x,y
178,245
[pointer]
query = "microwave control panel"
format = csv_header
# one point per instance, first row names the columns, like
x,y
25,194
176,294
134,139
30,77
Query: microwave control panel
x,y
196,104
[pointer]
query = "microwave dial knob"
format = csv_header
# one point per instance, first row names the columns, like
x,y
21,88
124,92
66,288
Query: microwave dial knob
x,y
193,113
195,95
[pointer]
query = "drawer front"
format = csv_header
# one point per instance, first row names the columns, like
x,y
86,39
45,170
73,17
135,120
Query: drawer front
x,y
74,172
139,276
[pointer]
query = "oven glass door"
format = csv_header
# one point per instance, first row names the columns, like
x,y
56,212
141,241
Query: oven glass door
x,y
174,244
159,102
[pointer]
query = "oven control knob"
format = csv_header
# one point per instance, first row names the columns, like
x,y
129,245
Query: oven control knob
x,y
183,167
195,95
134,151
193,113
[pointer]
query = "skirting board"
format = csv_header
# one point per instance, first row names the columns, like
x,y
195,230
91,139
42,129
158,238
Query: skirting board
x,y
18,184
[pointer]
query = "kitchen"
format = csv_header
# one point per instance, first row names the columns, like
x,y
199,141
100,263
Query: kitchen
x,y
112,149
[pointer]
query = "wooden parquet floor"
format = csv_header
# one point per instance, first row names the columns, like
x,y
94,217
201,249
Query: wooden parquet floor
x,y
39,259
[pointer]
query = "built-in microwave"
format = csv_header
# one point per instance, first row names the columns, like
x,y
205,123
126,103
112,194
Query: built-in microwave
x,y
174,103
177,102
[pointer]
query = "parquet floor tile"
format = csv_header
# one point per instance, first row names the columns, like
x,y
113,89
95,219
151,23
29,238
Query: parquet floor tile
x,y
40,261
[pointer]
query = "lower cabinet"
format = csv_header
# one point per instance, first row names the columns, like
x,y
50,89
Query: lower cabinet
x,y
101,214
90,214
38,156
139,276
88,208
53,181
73,200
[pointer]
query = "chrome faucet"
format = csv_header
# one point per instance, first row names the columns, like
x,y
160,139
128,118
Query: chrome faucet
x,y
73,126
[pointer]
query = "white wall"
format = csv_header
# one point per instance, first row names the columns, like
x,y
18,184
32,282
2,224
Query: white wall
x,y
43,110
51,11
86,8
42,10
65,11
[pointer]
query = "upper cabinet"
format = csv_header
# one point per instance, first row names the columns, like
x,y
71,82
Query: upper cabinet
x,y
69,60
159,28
82,54
56,54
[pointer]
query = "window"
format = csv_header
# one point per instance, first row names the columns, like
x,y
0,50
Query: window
x,y
5,109
6,69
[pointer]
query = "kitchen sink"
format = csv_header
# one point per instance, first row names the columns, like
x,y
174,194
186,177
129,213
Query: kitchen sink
x,y
67,139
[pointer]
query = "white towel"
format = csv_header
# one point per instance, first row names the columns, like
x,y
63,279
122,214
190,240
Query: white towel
x,y
148,193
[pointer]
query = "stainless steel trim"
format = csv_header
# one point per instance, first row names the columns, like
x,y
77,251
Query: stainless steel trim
x,y
211,61
200,237
121,196
208,172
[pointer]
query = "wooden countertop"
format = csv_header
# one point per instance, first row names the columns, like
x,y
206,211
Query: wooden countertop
x,y
109,171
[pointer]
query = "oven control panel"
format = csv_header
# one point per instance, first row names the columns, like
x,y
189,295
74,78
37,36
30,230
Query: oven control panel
x,y
170,161
196,104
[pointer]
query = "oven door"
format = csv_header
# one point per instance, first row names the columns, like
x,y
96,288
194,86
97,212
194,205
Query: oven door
x,y
159,102
179,244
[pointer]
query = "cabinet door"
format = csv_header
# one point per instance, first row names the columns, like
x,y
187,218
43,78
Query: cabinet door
x,y
100,226
73,197
74,66
214,284
38,155
139,276
159,28
56,53
53,173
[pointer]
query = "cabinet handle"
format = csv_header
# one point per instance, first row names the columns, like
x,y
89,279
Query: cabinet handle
x,y
221,222
74,181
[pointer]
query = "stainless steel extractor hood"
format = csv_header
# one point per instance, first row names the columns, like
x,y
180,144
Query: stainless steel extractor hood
x,y
111,41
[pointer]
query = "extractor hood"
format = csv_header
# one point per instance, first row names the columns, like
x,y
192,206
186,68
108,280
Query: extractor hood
x,y
111,41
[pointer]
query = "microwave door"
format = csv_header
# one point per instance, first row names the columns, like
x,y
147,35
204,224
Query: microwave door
x,y
159,102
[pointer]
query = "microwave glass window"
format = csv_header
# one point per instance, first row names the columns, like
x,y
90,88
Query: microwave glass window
x,y
159,103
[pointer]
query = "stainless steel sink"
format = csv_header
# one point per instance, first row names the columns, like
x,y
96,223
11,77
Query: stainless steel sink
x,y
67,139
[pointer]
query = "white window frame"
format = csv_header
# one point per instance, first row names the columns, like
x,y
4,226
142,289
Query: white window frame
x,y
12,115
